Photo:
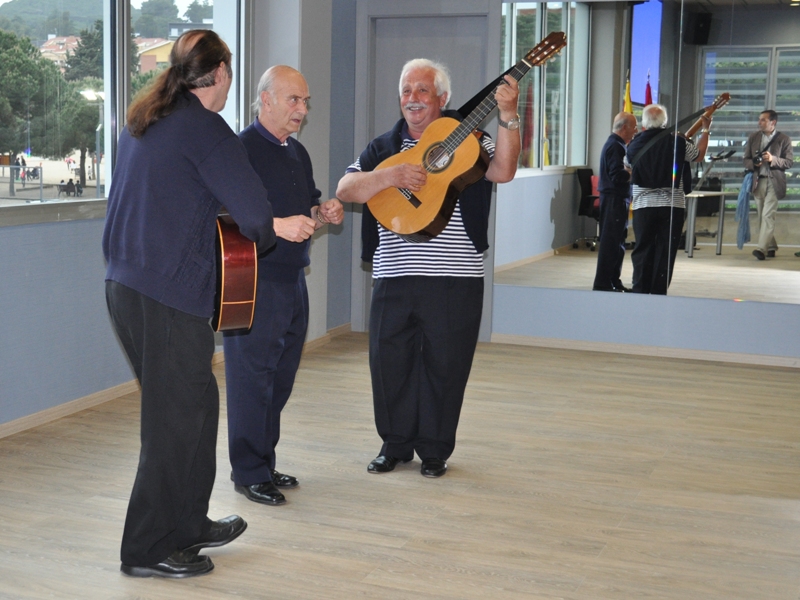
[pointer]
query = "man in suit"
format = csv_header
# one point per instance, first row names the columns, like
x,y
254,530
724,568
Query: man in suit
x,y
614,188
768,153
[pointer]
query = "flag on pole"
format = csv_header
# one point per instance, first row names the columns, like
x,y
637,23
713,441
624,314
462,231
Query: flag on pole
x,y
648,93
545,144
628,105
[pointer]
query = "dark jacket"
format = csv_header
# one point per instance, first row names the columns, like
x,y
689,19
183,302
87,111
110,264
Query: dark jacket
x,y
475,200
781,149
614,180
168,188
287,174
653,169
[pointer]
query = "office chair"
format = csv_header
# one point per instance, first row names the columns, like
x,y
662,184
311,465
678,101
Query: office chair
x,y
589,205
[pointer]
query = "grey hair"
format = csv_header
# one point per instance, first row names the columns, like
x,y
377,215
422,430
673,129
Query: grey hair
x,y
621,121
441,77
267,84
654,116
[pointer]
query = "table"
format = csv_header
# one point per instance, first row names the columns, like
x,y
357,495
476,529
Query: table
x,y
691,218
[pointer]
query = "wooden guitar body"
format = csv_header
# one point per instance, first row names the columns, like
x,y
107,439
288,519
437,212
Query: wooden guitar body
x,y
237,273
453,158
422,215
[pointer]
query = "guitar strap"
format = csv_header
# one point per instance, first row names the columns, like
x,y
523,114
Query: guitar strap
x,y
473,102
664,132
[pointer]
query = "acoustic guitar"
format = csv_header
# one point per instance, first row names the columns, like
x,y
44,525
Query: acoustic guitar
x,y
453,158
237,272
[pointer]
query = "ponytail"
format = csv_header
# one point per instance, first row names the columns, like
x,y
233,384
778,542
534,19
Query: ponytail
x,y
194,60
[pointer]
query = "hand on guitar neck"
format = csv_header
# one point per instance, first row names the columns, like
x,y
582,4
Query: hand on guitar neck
x,y
704,124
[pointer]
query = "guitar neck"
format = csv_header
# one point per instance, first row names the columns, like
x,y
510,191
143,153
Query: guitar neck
x,y
476,117
699,123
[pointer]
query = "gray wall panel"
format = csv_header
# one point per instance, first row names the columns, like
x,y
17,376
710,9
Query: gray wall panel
x,y
57,342
656,321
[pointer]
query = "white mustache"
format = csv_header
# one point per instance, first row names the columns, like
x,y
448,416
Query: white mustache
x,y
415,105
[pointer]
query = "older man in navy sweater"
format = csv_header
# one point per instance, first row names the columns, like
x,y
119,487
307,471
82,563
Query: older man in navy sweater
x,y
614,188
261,363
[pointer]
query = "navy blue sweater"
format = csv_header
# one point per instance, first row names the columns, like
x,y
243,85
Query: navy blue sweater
x,y
614,180
168,187
286,173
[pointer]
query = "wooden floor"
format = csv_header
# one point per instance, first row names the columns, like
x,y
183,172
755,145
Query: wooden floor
x,y
734,274
577,475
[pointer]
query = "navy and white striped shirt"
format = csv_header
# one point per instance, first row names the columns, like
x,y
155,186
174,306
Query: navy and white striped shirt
x,y
451,253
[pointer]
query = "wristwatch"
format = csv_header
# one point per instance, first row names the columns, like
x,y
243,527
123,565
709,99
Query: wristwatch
x,y
511,125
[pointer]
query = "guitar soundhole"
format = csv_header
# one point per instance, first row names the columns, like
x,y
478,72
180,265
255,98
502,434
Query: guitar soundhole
x,y
437,159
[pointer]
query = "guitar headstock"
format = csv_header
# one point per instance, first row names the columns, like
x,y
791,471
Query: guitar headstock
x,y
721,100
546,49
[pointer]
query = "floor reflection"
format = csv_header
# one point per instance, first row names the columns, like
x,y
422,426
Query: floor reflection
x,y
735,274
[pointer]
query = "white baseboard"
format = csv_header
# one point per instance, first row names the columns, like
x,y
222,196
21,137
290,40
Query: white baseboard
x,y
707,355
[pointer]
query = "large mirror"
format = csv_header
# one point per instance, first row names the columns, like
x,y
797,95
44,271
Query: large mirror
x,y
692,52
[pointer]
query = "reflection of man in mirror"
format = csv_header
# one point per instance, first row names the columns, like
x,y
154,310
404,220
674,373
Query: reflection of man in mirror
x,y
614,187
659,203
767,153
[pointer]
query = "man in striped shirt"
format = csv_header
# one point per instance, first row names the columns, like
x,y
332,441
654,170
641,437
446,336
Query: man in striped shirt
x,y
661,164
428,296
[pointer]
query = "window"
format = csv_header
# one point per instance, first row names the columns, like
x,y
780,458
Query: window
x,y
553,97
51,104
757,79
63,94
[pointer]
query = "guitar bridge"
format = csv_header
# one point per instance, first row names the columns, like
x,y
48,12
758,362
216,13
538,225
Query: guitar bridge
x,y
410,197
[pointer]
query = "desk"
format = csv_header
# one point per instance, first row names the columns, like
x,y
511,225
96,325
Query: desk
x,y
691,218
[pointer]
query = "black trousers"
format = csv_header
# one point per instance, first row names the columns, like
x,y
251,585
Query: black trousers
x,y
422,338
170,351
260,368
658,233
613,231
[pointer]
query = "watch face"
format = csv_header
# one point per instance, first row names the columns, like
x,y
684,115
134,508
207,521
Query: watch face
x,y
513,124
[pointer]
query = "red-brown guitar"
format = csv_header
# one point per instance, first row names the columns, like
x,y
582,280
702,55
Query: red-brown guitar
x,y
237,271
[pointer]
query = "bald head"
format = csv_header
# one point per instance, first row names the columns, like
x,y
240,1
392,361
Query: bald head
x,y
624,126
282,101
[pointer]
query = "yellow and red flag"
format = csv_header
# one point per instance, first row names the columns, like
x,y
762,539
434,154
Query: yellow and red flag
x,y
627,106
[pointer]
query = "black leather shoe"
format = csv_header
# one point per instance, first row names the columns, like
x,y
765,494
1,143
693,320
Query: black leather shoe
x,y
180,563
433,467
759,254
222,532
284,481
770,253
264,493
384,464
622,288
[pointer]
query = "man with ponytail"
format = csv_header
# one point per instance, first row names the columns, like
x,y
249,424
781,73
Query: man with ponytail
x,y
178,163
